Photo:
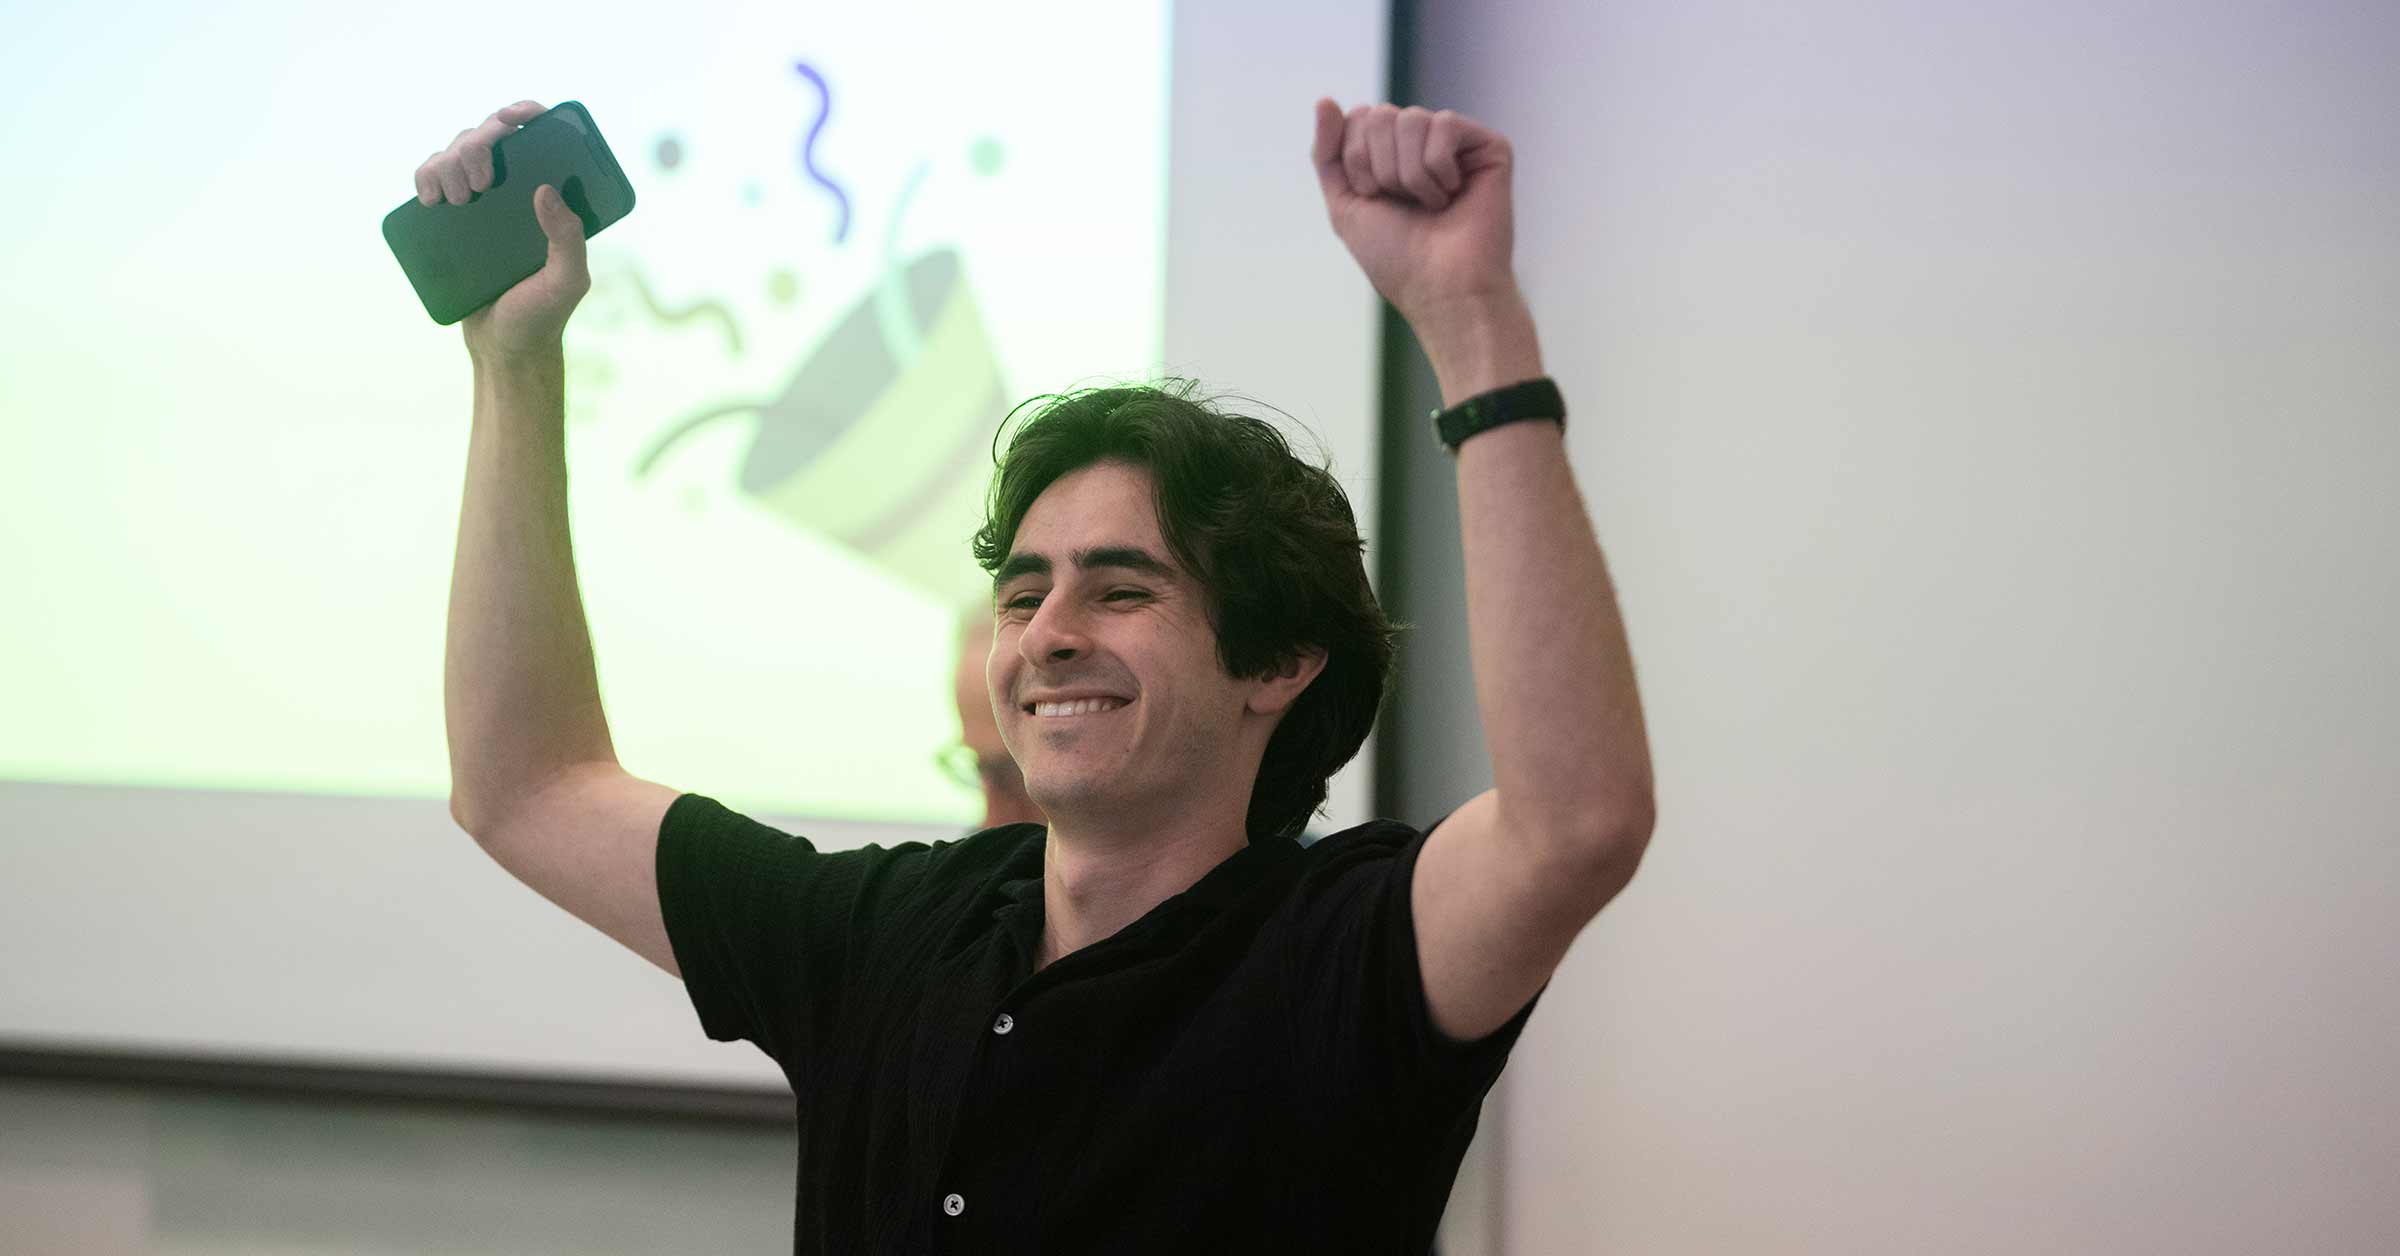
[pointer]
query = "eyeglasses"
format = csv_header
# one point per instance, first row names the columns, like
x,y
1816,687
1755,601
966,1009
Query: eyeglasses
x,y
960,763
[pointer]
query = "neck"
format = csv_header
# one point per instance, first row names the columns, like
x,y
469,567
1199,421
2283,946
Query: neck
x,y
1096,882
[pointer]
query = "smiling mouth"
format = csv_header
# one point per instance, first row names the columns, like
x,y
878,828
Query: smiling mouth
x,y
1081,706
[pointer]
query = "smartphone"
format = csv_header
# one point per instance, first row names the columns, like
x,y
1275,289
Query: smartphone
x,y
460,258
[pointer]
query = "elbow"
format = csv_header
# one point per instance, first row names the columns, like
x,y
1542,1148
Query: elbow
x,y
479,816
1603,813
1602,836
1621,844
1633,829
1613,809
1614,849
472,811
1611,835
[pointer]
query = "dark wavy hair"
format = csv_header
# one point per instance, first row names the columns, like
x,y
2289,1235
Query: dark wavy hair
x,y
1269,537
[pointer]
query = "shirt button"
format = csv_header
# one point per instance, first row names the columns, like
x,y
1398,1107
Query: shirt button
x,y
1004,1024
954,1204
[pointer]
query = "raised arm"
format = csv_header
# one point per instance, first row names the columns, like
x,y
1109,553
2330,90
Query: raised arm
x,y
533,774
1502,887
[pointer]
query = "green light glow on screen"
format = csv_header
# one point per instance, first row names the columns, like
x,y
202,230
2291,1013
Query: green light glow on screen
x,y
239,441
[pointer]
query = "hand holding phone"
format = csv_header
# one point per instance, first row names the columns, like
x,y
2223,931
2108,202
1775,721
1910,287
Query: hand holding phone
x,y
495,236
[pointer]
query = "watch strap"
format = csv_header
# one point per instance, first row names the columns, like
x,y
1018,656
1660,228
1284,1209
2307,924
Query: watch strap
x,y
1536,398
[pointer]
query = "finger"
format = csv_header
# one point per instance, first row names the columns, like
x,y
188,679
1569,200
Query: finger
x,y
1479,147
454,178
1325,151
1441,151
1355,165
1408,142
565,233
474,149
1383,150
1327,143
477,163
429,184
474,145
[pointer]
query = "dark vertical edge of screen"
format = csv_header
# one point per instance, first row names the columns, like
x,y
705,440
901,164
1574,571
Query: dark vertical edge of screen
x,y
1416,526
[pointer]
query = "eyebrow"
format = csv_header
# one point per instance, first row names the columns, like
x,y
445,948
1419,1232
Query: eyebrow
x,y
1126,557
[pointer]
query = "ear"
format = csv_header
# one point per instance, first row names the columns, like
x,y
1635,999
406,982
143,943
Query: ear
x,y
1278,689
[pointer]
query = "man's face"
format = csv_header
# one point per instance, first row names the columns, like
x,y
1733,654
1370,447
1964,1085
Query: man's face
x,y
1104,672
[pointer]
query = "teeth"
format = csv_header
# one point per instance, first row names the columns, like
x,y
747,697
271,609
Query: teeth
x,y
1081,706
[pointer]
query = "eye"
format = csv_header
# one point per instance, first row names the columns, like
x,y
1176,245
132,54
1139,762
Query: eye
x,y
1114,595
1026,602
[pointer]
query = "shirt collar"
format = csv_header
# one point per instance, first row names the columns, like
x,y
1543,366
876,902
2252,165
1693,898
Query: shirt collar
x,y
1220,887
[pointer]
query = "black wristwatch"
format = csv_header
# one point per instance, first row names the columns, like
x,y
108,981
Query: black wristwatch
x,y
1536,398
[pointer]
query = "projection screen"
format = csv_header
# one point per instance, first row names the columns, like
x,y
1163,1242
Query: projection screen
x,y
861,236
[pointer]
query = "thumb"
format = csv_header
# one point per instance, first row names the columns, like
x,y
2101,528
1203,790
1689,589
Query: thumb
x,y
563,228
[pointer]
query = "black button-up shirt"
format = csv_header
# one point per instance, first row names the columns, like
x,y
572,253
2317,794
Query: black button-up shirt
x,y
1251,1067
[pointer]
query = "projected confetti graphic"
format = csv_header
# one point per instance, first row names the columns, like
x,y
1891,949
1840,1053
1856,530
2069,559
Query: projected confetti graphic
x,y
808,148
875,432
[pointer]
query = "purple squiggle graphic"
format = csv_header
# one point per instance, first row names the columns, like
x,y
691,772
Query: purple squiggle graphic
x,y
808,146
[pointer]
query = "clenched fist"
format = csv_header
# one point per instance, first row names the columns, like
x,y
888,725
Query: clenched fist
x,y
1422,201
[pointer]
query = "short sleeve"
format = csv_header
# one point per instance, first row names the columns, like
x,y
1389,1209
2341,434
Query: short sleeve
x,y
1363,994
766,928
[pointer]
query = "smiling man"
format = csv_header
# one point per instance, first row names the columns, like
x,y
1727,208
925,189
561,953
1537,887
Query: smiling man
x,y
1158,1024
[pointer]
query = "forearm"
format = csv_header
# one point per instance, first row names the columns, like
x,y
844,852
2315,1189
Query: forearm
x,y
520,694
1553,673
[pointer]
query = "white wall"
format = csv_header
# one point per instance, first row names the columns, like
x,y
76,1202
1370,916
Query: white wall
x,y
1990,413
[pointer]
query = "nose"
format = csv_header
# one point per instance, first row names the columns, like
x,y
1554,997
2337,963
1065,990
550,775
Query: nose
x,y
1055,634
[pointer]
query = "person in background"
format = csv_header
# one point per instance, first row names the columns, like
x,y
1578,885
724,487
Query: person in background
x,y
979,758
